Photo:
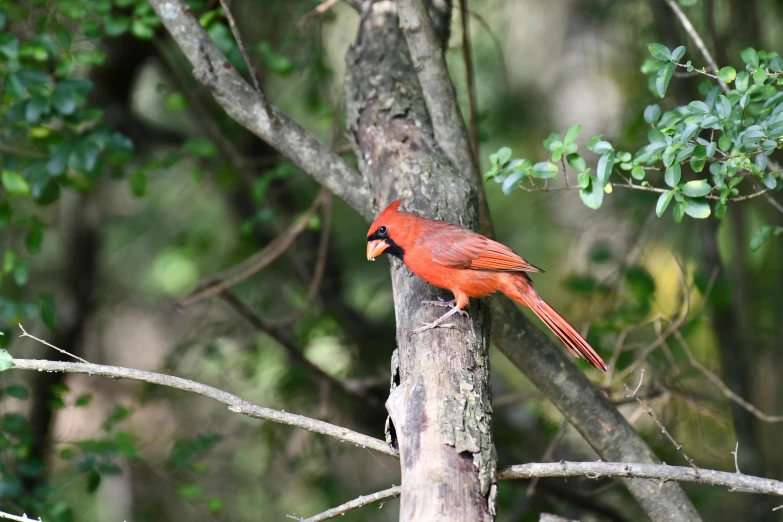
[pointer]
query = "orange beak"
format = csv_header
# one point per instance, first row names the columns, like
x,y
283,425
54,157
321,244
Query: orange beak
x,y
375,248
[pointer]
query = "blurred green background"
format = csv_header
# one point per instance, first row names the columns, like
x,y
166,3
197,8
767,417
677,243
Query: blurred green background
x,y
99,267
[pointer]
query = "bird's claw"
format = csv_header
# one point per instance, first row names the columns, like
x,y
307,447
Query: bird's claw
x,y
432,326
446,304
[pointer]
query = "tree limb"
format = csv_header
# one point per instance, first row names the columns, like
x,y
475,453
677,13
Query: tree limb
x,y
437,87
658,472
242,103
392,492
234,403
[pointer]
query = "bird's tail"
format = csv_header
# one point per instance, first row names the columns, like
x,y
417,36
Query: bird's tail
x,y
567,334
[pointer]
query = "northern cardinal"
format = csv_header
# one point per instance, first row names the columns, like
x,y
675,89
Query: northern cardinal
x,y
469,265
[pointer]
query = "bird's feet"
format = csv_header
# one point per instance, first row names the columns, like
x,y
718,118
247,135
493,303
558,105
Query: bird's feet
x,y
446,304
438,323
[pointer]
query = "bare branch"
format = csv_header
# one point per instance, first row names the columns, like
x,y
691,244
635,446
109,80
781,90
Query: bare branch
x,y
25,334
294,350
241,102
317,11
23,518
438,89
258,261
727,392
688,26
649,411
392,492
469,80
658,472
736,456
251,69
234,403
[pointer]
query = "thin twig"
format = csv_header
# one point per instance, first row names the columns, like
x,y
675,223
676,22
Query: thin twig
x,y
392,492
25,334
317,11
688,26
496,42
251,69
736,457
649,411
234,403
727,392
469,80
547,456
318,272
294,350
228,278
23,518
657,472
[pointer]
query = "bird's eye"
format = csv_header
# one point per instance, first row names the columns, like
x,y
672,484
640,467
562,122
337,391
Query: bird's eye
x,y
382,231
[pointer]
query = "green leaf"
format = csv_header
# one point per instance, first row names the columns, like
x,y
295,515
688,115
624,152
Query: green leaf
x,y
6,361
116,25
672,175
206,149
769,180
572,133
663,202
93,481
138,183
727,74
14,183
741,83
276,62
678,212
604,168
758,240
602,147
723,107
83,400
47,311
34,240
504,153
544,170
637,172
9,45
697,188
750,57
640,283
651,114
17,392
583,179
663,78
577,162
190,491
698,107
697,163
710,122
142,30
697,208
593,195
659,52
593,141
512,182
678,53
549,143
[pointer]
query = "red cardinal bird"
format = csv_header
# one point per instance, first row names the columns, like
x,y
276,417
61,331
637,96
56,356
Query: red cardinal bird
x,y
469,265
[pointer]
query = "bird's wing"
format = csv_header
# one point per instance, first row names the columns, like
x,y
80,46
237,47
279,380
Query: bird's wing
x,y
460,248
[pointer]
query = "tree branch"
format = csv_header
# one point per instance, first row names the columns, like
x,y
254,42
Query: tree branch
x,y
438,89
585,406
392,492
688,26
216,284
251,69
234,403
242,103
658,472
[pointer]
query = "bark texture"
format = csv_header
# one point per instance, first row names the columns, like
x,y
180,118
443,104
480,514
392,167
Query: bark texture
x,y
440,404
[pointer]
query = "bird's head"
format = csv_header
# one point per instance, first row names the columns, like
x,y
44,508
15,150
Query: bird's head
x,y
389,232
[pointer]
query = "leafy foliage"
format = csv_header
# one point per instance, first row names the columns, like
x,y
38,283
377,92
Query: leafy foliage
x,y
718,142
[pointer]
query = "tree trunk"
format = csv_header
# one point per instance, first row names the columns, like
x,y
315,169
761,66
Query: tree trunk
x,y
440,405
